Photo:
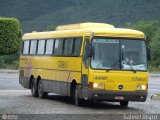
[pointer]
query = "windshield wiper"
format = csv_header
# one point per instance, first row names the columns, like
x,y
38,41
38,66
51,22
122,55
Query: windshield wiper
x,y
132,67
111,67
107,70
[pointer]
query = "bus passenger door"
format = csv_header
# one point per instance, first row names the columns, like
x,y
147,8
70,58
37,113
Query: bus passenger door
x,y
85,65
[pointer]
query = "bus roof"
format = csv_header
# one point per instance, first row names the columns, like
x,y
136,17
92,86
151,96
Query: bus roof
x,y
83,26
85,29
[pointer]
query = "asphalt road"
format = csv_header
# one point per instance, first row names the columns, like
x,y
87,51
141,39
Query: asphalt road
x,y
17,102
154,85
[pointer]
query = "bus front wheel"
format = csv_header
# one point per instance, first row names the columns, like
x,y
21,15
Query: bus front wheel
x,y
41,92
124,103
34,90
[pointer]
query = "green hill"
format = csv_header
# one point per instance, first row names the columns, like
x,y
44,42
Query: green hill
x,y
38,15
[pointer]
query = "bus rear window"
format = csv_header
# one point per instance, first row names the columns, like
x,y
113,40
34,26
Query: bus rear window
x,y
26,47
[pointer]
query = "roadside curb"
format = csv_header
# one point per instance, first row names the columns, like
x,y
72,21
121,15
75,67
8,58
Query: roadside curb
x,y
8,71
155,97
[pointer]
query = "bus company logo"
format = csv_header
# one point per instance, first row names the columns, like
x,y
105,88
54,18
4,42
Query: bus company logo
x,y
101,77
62,64
4,116
120,87
9,117
138,79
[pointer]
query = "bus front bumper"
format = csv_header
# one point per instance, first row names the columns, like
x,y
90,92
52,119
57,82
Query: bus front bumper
x,y
104,95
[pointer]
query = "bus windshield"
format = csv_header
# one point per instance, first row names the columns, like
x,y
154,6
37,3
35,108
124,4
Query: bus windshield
x,y
124,54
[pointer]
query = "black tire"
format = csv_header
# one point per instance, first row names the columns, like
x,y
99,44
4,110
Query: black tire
x,y
124,104
92,102
41,92
34,90
77,100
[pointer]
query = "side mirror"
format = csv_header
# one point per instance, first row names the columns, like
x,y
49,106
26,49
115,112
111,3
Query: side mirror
x,y
87,51
148,53
90,50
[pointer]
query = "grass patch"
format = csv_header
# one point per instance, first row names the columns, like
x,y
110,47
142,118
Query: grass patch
x,y
155,70
157,95
9,61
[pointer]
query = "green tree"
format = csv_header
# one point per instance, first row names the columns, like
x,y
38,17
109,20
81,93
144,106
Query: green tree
x,y
152,32
155,49
10,36
149,28
51,28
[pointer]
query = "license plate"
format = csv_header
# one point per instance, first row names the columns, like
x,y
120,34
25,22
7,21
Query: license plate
x,y
119,97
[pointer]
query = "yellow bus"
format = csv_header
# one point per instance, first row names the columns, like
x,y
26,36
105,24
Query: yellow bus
x,y
86,61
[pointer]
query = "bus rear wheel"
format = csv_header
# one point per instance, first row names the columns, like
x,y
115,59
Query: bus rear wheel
x,y
41,92
124,104
77,100
34,90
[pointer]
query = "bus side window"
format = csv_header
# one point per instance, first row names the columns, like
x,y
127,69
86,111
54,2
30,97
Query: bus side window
x,y
77,46
68,46
58,47
41,45
26,47
49,46
33,47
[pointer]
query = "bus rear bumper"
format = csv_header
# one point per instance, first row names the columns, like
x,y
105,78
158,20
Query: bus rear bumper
x,y
103,95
